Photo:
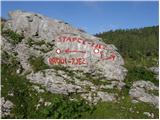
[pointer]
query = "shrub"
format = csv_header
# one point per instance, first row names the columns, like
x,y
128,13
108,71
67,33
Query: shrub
x,y
37,63
15,38
139,73
25,99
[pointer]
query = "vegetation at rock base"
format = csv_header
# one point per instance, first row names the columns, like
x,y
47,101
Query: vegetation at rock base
x,y
123,109
139,48
25,99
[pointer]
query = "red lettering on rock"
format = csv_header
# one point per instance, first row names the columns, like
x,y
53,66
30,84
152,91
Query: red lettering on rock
x,y
68,39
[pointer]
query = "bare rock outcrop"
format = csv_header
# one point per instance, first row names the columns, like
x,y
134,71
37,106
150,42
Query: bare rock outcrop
x,y
58,43
145,91
6,107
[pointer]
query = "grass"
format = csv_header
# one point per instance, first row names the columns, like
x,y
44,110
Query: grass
x,y
14,37
38,63
137,70
121,110
32,42
49,46
140,73
25,98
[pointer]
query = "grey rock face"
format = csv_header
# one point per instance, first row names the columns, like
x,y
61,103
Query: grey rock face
x,y
99,96
142,91
59,43
38,27
53,82
6,46
60,84
6,106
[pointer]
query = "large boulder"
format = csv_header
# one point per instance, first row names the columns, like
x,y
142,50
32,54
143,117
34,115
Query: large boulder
x,y
72,47
90,59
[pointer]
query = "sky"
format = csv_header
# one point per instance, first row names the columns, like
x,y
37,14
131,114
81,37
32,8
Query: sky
x,y
93,17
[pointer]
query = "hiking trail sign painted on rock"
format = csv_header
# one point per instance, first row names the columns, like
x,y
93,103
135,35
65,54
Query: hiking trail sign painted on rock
x,y
76,51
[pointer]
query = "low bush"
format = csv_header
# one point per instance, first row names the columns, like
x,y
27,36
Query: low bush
x,y
14,37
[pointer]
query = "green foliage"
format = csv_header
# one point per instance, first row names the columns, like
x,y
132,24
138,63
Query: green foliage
x,y
26,99
10,60
14,37
64,109
136,44
49,46
139,73
38,63
32,42
123,109
139,48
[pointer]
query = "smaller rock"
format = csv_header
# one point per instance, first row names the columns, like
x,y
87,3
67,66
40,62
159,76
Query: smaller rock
x,y
121,85
6,107
38,89
37,106
154,70
149,114
41,100
134,101
47,103
105,96
10,94
139,92
18,71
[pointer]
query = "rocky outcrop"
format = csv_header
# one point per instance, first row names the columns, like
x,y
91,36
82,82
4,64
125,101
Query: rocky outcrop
x,y
58,43
145,91
6,107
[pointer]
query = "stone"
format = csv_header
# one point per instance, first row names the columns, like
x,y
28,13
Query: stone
x,y
155,70
139,92
106,96
18,71
134,101
41,100
47,103
53,83
37,106
10,94
148,85
37,88
99,96
151,115
6,107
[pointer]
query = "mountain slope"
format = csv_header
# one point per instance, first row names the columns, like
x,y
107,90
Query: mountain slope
x,y
135,44
52,70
